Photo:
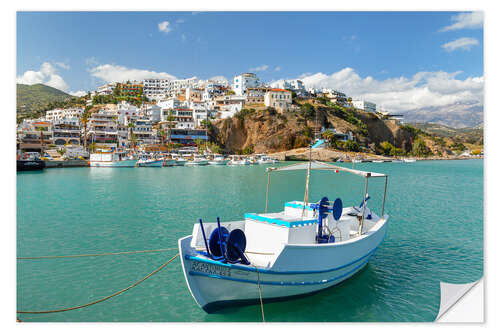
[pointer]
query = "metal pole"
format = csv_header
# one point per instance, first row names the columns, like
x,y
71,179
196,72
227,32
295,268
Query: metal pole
x,y
364,207
306,194
383,202
267,192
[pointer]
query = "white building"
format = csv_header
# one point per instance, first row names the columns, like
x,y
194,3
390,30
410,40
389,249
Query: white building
x,y
152,112
295,85
280,99
155,88
106,89
365,106
60,114
174,87
244,81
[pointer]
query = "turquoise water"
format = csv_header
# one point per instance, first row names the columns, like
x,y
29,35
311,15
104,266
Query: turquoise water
x,y
435,234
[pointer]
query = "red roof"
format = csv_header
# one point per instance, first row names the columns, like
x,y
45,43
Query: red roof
x,y
276,89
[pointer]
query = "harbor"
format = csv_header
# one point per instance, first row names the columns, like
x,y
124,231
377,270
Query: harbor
x,y
124,209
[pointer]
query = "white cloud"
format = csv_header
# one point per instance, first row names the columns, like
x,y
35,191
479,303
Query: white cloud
x,y
78,93
464,43
401,94
219,78
183,37
116,73
46,75
466,21
63,65
259,68
277,69
164,27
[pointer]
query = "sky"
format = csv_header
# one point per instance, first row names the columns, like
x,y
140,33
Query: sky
x,y
400,60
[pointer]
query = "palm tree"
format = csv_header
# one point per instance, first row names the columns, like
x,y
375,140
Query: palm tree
x,y
132,136
84,121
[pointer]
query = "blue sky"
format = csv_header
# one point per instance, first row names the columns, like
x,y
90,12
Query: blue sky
x,y
85,49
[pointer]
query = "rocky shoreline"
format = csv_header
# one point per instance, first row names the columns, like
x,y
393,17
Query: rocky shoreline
x,y
329,155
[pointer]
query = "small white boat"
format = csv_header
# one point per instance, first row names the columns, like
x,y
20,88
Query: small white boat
x,y
180,161
303,249
378,161
397,161
197,161
218,160
111,159
147,161
409,160
265,160
236,160
169,162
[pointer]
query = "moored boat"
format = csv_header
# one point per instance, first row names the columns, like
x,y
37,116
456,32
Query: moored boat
x,y
409,160
111,158
29,162
303,249
198,160
150,162
218,160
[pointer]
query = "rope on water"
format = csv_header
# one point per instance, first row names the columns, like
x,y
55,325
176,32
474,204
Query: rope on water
x,y
260,295
95,254
107,297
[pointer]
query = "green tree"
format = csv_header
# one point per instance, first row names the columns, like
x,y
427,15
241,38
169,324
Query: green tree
x,y
351,145
419,148
386,147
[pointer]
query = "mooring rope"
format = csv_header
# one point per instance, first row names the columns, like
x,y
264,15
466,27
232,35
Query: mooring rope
x,y
107,297
96,254
260,294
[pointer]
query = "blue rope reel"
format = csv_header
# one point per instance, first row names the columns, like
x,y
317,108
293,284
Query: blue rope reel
x,y
217,242
235,247
337,209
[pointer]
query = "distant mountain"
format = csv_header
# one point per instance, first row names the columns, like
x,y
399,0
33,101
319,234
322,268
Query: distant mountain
x,y
464,134
33,99
456,116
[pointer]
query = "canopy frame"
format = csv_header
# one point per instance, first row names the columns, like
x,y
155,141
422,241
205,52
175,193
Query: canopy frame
x,y
317,165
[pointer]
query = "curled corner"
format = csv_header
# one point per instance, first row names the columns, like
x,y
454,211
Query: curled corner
x,y
454,299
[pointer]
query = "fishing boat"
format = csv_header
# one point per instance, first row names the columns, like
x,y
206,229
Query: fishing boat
x,y
111,158
218,160
307,247
236,160
29,161
198,160
265,160
168,162
150,162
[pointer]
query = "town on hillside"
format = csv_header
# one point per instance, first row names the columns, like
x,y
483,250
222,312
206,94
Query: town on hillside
x,y
164,116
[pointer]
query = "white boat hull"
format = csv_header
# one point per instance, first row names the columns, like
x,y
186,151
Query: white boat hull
x,y
151,164
299,270
114,164
196,163
224,162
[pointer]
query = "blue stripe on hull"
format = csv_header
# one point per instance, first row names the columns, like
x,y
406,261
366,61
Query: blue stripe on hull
x,y
219,305
282,283
266,271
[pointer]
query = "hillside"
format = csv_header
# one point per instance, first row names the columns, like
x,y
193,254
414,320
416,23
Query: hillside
x,y
471,135
267,131
31,100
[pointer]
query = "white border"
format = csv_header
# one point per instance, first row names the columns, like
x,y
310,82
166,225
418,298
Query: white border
x,y
8,197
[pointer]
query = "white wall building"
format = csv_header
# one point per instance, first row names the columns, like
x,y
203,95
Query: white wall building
x,y
59,114
106,89
295,85
279,99
244,81
155,88
365,106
